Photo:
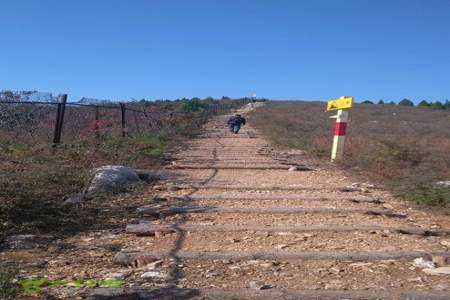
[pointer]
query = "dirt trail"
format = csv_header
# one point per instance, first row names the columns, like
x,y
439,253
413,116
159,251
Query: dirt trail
x,y
248,227
244,227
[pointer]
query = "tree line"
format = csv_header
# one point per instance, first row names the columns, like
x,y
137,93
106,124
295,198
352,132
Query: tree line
x,y
407,102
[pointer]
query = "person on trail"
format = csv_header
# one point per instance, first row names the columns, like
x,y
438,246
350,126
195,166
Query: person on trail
x,y
235,123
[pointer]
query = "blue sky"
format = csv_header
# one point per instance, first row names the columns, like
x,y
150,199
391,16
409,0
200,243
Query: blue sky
x,y
280,49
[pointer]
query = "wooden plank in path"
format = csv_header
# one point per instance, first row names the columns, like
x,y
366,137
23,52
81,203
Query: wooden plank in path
x,y
149,210
261,188
240,167
267,294
129,257
146,229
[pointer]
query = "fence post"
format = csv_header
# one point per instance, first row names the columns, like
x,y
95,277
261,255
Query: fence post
x,y
97,120
123,110
59,120
136,121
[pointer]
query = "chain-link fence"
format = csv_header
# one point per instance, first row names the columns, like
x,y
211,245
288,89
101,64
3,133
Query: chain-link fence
x,y
33,122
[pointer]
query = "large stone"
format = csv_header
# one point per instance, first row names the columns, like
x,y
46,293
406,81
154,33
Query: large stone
x,y
116,179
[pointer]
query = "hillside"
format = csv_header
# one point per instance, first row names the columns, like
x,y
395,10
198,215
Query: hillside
x,y
404,148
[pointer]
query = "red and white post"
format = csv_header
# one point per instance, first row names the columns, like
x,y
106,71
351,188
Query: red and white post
x,y
337,151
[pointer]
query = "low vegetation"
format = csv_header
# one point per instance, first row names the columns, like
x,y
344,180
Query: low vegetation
x,y
9,288
405,148
35,177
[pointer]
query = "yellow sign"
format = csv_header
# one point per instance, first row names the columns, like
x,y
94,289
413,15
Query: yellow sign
x,y
342,103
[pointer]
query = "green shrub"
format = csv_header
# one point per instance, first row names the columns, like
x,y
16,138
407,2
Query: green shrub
x,y
194,105
9,289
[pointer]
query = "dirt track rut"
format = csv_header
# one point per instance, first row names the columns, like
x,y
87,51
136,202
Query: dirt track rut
x,y
251,229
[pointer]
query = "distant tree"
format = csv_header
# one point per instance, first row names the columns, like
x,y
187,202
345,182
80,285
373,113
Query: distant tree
x,y
437,105
9,96
423,103
406,102
447,104
367,102
195,104
381,101
392,103
225,98
209,99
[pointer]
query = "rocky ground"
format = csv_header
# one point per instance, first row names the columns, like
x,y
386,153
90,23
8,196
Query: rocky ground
x,y
234,220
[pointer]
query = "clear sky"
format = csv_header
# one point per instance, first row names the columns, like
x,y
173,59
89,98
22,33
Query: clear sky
x,y
280,49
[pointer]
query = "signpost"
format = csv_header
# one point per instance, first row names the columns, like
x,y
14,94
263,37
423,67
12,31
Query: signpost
x,y
340,104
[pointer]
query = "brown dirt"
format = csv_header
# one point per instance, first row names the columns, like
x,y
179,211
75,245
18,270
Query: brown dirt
x,y
92,254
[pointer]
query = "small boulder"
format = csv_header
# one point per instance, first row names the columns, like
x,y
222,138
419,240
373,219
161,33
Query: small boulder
x,y
423,264
115,179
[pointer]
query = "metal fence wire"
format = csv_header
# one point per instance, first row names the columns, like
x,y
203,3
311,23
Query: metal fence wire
x,y
55,122
27,122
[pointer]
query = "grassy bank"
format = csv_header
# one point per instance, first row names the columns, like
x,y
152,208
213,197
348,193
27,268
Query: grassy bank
x,y
404,148
36,178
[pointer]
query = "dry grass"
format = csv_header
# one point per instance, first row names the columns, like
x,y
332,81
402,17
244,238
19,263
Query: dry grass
x,y
405,148
35,178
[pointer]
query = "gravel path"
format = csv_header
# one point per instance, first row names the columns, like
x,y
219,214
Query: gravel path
x,y
232,222
235,234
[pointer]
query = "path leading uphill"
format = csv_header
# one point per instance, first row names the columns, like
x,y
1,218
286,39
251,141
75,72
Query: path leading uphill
x,y
246,227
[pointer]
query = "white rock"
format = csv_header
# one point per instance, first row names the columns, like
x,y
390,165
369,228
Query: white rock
x,y
295,152
154,274
285,233
267,265
423,264
116,275
360,264
445,183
